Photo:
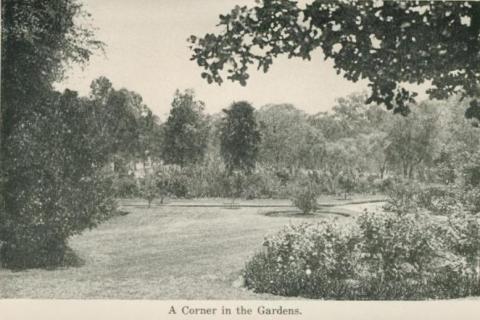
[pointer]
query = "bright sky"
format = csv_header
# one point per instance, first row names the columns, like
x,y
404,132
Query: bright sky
x,y
147,52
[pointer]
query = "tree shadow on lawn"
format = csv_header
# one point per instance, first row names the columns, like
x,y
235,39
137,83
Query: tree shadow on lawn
x,y
70,259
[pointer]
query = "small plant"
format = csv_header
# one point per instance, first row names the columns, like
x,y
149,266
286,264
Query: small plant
x,y
304,196
346,182
149,189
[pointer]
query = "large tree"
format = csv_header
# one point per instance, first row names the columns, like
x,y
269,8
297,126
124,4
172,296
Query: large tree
x,y
413,142
50,186
239,137
127,126
186,131
288,140
387,43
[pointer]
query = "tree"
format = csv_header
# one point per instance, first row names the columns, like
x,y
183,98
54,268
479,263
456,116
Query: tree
x,y
287,138
129,129
149,188
38,38
239,138
386,43
60,186
51,183
185,131
341,158
413,142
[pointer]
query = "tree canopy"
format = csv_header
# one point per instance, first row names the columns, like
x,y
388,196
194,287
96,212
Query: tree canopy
x,y
388,43
239,137
185,130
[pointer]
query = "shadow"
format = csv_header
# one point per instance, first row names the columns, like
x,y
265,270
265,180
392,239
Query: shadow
x,y
69,259
120,213
319,214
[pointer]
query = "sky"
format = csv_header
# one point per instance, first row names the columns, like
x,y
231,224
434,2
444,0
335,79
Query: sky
x,y
147,52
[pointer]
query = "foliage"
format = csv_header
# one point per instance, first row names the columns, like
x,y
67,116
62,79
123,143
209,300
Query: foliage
x,y
304,260
412,140
178,184
59,189
263,183
428,37
401,195
287,138
438,199
304,195
463,238
125,186
185,132
378,256
347,182
239,137
149,188
38,39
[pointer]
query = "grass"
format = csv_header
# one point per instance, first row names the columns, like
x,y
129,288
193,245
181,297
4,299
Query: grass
x,y
163,252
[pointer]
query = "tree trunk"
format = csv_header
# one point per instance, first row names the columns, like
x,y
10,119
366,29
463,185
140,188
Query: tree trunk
x,y
410,171
405,169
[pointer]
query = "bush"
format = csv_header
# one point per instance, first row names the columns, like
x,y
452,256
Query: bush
x,y
378,256
438,199
471,199
304,196
401,195
305,260
263,184
126,187
59,188
149,189
178,185
347,183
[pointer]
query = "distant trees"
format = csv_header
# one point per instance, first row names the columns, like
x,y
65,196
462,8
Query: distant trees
x,y
412,139
410,42
185,131
239,137
287,138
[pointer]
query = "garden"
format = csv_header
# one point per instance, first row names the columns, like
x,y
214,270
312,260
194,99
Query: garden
x,y
377,198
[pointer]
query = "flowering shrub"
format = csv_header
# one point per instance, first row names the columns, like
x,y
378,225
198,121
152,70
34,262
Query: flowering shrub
x,y
305,259
377,256
438,199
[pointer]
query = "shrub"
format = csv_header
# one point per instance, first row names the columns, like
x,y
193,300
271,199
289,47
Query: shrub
x,y
59,188
304,259
304,196
377,256
126,187
149,188
401,194
471,199
438,199
262,184
347,183
178,185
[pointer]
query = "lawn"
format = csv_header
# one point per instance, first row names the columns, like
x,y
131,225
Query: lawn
x,y
163,252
